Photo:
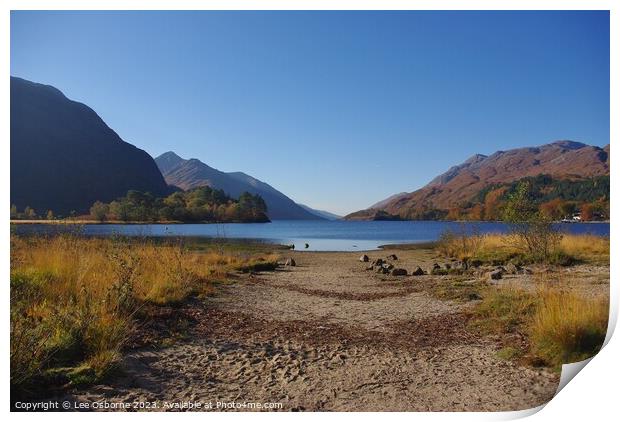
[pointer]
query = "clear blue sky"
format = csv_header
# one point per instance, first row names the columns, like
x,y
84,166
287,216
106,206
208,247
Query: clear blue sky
x,y
336,109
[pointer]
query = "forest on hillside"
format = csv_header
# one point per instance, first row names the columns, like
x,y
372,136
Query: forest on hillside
x,y
579,199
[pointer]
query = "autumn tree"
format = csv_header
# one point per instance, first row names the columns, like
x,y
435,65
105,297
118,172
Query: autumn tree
x,y
492,202
476,213
587,212
553,209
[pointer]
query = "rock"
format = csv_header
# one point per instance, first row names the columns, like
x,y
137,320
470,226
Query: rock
x,y
495,275
392,257
526,271
418,271
369,268
364,258
512,268
437,270
447,266
475,263
387,266
290,262
399,271
459,265
377,262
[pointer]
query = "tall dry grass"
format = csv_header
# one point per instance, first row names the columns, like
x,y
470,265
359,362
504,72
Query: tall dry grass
x,y
567,328
586,247
498,248
74,299
561,326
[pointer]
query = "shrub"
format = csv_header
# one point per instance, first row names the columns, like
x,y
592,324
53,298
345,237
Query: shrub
x,y
533,230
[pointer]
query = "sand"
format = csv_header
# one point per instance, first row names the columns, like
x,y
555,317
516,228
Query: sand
x,y
327,335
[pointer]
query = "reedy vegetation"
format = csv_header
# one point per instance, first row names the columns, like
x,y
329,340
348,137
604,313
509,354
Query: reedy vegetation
x,y
75,301
561,326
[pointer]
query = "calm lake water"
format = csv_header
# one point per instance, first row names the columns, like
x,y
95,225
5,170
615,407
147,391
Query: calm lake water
x,y
320,235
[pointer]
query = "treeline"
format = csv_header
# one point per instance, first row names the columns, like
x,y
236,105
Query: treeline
x,y
29,213
202,204
580,199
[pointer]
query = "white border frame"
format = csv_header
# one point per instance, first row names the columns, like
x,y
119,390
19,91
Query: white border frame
x,y
591,395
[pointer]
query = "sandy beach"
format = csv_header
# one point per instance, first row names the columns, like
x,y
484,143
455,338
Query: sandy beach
x,y
327,334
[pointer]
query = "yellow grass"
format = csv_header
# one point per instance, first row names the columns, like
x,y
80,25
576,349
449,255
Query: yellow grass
x,y
74,299
586,247
503,247
567,328
562,326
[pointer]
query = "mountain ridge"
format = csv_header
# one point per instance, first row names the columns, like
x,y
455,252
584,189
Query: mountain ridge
x,y
563,159
191,173
64,156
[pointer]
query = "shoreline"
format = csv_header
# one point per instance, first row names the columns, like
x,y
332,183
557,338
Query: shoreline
x,y
173,222
126,223
327,333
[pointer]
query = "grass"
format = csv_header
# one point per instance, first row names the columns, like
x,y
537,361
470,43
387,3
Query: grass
x,y
561,327
75,301
587,248
458,290
567,328
505,310
498,249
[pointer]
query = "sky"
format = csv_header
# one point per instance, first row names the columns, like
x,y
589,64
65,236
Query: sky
x,y
337,110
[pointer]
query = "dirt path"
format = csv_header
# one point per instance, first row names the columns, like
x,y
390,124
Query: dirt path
x,y
328,335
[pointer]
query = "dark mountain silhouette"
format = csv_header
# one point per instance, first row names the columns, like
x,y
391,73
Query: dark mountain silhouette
x,y
192,173
461,183
64,157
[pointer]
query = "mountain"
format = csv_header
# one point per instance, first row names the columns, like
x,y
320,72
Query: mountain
x,y
64,157
387,200
192,173
462,183
324,214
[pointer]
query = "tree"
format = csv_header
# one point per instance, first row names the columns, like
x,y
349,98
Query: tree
x,y
99,211
492,202
587,212
476,213
120,210
533,230
552,209
454,214
29,213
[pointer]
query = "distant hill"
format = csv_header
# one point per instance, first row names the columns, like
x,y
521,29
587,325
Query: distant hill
x,y
64,157
461,185
191,173
324,214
